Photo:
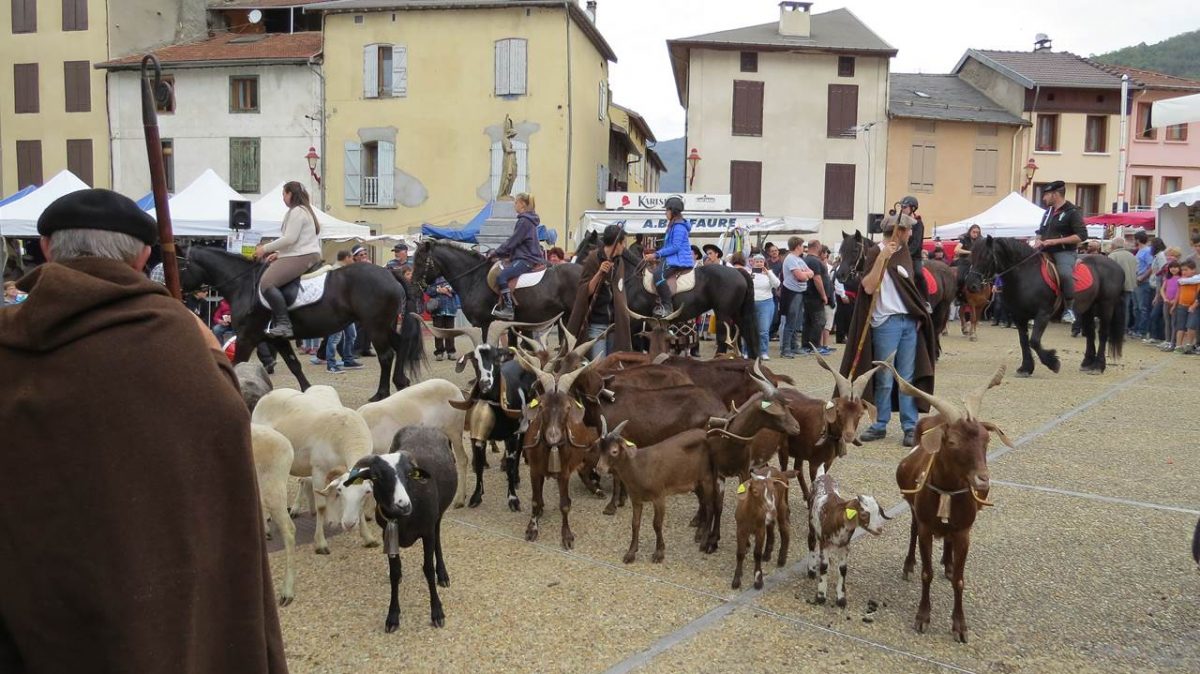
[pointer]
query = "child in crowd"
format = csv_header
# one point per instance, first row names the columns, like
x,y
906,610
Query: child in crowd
x,y
11,294
1168,294
1187,309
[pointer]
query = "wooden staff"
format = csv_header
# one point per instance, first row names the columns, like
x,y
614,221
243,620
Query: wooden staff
x,y
153,89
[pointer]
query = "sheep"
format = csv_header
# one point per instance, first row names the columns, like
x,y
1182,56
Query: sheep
x,y
273,456
424,404
413,487
253,381
327,439
762,505
832,521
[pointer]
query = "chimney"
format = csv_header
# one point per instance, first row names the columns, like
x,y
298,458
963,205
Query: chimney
x,y
1041,42
795,19
591,10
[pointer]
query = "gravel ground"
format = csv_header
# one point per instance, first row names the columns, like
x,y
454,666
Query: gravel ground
x,y
1094,579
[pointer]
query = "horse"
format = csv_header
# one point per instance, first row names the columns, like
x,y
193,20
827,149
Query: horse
x,y
851,264
1027,296
360,293
726,291
976,295
467,273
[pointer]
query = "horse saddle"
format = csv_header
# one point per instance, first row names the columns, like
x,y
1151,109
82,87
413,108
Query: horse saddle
x,y
1082,275
930,281
526,280
306,290
678,283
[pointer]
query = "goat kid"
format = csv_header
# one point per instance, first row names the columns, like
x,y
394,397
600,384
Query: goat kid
x,y
762,506
832,523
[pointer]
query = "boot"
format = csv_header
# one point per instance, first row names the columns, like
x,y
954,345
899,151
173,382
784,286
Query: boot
x,y
663,308
504,311
1068,315
281,325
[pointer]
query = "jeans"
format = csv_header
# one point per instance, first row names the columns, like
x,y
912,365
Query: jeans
x,y
814,321
898,335
331,349
1064,260
511,271
776,318
793,320
603,347
1144,296
222,333
764,310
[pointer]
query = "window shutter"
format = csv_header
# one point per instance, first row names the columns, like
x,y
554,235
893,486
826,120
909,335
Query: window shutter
x,y
517,68
371,71
79,159
522,182
747,108
78,89
387,173
503,81
928,166
601,182
399,70
915,159
839,191
842,114
25,88
984,171
352,170
603,102
745,186
29,162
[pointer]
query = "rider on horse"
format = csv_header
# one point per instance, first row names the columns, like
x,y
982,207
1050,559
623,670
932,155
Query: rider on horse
x,y
675,254
522,252
1061,231
908,206
289,256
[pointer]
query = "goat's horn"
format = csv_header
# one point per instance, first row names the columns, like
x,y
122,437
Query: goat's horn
x,y
617,431
636,315
948,409
603,426
544,378
502,327
567,381
761,379
860,382
843,385
583,349
569,339
470,332
974,400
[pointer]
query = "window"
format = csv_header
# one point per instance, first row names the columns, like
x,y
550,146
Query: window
x,y
167,108
983,172
243,164
839,192
25,87
79,159
1144,129
925,126
168,153
74,15
1171,184
385,71
603,100
497,155
370,174
1177,132
749,61
845,66
1087,198
511,67
601,182
78,83
842,111
1096,138
24,20
745,186
243,94
1047,133
29,162
747,108
922,162
1141,190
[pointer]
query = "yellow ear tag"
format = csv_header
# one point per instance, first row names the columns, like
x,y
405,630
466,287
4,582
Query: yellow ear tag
x,y
628,443
829,405
579,404
765,404
851,513
742,488
533,403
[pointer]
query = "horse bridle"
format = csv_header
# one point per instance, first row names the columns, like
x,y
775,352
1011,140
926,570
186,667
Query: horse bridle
x,y
422,284
992,259
859,267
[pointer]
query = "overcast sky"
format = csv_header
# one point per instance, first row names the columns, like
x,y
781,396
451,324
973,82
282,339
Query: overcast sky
x,y
930,35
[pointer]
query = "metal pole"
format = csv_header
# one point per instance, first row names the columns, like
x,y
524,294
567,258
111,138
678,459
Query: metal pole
x,y
1121,159
158,176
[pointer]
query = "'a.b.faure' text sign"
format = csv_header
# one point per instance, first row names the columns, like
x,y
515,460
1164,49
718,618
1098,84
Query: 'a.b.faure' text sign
x,y
702,224
654,201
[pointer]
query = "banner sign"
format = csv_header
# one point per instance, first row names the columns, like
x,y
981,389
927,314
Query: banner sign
x,y
654,201
648,222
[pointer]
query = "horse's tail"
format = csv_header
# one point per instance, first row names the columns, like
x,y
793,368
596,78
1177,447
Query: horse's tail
x,y
408,345
1116,328
748,320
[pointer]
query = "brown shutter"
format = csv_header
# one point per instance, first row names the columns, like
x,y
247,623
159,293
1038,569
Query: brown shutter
x,y
79,159
78,85
29,163
842,110
839,192
74,15
745,186
24,16
747,108
25,87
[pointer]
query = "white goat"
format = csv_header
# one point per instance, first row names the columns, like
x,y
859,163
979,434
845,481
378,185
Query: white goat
x,y
327,438
273,456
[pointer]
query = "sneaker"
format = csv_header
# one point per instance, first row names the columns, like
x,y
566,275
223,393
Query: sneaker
x,y
1068,316
766,357
824,350
806,351
872,434
787,355
334,370
1148,340
1166,346
1190,349
439,357
352,365
316,360
908,438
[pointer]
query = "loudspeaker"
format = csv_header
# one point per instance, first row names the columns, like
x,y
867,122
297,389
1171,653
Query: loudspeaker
x,y
239,214
874,223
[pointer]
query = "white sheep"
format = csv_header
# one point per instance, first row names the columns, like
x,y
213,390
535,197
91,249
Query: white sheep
x,y
327,438
273,456
425,404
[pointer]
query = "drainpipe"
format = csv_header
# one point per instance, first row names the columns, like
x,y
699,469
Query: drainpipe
x,y
324,175
570,124
1123,156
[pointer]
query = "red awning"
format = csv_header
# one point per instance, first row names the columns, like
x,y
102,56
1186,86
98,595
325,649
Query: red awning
x,y
1143,219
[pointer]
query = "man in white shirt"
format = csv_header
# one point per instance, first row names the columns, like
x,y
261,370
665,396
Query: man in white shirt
x,y
796,275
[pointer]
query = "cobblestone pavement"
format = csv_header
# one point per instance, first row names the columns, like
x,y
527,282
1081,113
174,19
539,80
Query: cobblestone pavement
x,y
1082,565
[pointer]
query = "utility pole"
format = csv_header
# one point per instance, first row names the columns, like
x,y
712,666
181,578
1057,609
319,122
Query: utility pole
x,y
1121,158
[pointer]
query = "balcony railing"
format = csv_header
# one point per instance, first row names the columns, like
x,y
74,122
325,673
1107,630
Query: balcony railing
x,y
370,191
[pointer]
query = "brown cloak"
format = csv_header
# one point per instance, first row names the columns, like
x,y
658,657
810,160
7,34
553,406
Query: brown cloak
x,y
131,536
583,300
926,338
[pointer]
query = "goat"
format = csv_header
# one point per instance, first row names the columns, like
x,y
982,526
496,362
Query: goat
x,y
426,404
661,337
413,486
273,456
327,439
762,505
832,521
945,480
253,382
677,465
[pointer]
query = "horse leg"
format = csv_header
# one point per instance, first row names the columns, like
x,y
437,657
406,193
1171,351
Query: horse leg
x,y
1026,368
1047,356
1088,325
284,348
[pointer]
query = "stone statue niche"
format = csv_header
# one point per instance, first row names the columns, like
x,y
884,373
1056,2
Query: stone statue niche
x,y
508,168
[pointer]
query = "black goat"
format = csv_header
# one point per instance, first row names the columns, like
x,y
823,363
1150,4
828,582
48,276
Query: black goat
x,y
413,486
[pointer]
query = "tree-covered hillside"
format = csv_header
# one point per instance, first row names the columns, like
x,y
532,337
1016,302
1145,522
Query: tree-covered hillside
x,y
1179,56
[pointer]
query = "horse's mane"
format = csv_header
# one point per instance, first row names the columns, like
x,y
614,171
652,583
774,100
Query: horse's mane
x,y
225,253
1010,247
455,245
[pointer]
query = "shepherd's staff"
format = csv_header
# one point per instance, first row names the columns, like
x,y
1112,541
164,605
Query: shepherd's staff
x,y
161,91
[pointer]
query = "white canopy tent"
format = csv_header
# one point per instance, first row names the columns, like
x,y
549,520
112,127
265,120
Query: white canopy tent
x,y
1173,215
202,208
267,215
1014,215
1174,111
19,218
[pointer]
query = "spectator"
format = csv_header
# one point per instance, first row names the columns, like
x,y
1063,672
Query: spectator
x,y
830,293
442,303
712,254
939,254
12,295
1195,256
765,282
1093,246
400,257
223,322
1161,255
556,256
1187,309
1129,265
816,298
1144,293
775,264
1170,300
796,276
340,343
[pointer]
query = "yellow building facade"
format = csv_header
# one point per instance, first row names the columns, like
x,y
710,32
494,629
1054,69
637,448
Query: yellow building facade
x,y
416,101
643,166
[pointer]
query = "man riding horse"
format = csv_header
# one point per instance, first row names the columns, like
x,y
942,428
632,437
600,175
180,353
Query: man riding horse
x,y
1061,231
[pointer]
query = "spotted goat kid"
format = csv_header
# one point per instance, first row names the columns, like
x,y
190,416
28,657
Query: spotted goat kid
x,y
762,505
832,523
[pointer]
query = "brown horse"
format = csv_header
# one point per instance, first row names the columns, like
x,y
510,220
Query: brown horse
x,y
976,295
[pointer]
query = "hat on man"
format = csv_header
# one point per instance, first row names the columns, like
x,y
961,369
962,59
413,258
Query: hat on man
x,y
98,209
714,248
400,246
1056,186
358,250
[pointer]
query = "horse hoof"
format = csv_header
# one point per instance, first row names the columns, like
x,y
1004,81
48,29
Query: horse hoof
x,y
1023,374
376,398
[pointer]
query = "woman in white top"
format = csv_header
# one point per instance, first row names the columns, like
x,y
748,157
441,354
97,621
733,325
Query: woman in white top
x,y
289,256
765,283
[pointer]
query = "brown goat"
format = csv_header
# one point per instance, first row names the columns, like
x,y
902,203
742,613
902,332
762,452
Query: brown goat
x,y
762,505
945,480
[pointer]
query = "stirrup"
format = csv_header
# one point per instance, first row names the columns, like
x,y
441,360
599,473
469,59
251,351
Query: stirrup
x,y
282,330
661,310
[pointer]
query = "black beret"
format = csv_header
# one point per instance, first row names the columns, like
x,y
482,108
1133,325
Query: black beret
x,y
1056,186
98,209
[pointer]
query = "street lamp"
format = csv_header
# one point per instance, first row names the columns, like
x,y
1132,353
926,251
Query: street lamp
x,y
692,159
312,157
1031,168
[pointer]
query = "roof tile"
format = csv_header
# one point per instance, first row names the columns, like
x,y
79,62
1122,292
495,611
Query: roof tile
x,y
278,47
944,98
838,29
1048,68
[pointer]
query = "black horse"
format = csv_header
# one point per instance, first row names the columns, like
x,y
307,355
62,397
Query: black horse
x,y
1027,296
726,291
364,293
467,273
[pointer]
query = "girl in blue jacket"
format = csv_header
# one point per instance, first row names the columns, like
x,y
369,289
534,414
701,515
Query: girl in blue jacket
x,y
675,254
